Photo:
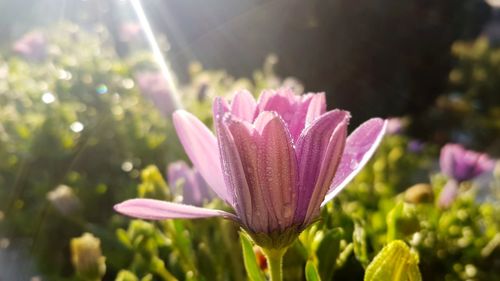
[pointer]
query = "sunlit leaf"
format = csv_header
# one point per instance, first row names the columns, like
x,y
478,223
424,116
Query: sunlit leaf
x,y
312,272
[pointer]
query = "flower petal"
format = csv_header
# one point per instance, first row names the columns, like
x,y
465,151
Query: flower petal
x,y
277,170
177,171
359,148
318,150
244,105
447,157
270,168
293,109
152,209
246,143
316,107
234,175
448,194
202,148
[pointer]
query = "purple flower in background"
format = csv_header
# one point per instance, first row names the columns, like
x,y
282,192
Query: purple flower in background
x,y
154,86
459,165
195,189
275,161
31,46
416,146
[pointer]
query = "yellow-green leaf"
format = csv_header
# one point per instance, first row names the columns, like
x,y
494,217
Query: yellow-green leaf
x,y
311,272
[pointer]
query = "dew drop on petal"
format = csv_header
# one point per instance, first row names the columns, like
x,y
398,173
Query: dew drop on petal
x,y
287,210
257,214
354,164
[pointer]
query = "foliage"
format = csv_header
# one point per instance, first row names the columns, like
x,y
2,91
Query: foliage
x,y
470,111
77,136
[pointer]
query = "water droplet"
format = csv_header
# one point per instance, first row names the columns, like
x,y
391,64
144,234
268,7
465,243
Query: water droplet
x,y
128,83
354,164
64,75
127,166
48,97
76,127
101,89
287,210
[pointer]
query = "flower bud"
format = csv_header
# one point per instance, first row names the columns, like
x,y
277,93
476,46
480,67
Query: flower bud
x,y
64,200
261,258
419,193
394,262
125,275
87,258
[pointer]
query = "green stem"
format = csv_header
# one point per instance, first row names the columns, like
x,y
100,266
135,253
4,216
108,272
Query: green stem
x,y
275,263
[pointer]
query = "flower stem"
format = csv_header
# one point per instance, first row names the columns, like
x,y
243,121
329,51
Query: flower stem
x,y
275,262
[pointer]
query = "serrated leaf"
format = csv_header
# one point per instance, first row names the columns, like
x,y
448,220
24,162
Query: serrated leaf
x,y
394,263
312,272
253,271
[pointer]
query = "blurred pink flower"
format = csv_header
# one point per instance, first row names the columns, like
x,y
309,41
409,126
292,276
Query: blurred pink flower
x,y
395,126
275,161
460,165
195,190
129,31
31,46
154,86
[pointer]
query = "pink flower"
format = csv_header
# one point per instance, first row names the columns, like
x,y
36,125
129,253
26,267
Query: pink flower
x,y
129,31
31,46
395,126
154,86
195,189
275,161
460,165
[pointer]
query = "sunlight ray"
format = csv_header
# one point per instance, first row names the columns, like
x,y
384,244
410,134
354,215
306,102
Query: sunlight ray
x,y
158,56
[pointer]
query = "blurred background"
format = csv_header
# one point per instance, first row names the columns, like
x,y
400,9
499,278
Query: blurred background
x,y
85,100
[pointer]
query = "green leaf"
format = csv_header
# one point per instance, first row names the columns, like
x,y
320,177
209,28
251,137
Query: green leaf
x,y
344,255
359,241
121,234
392,222
401,222
311,272
328,252
394,263
253,271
